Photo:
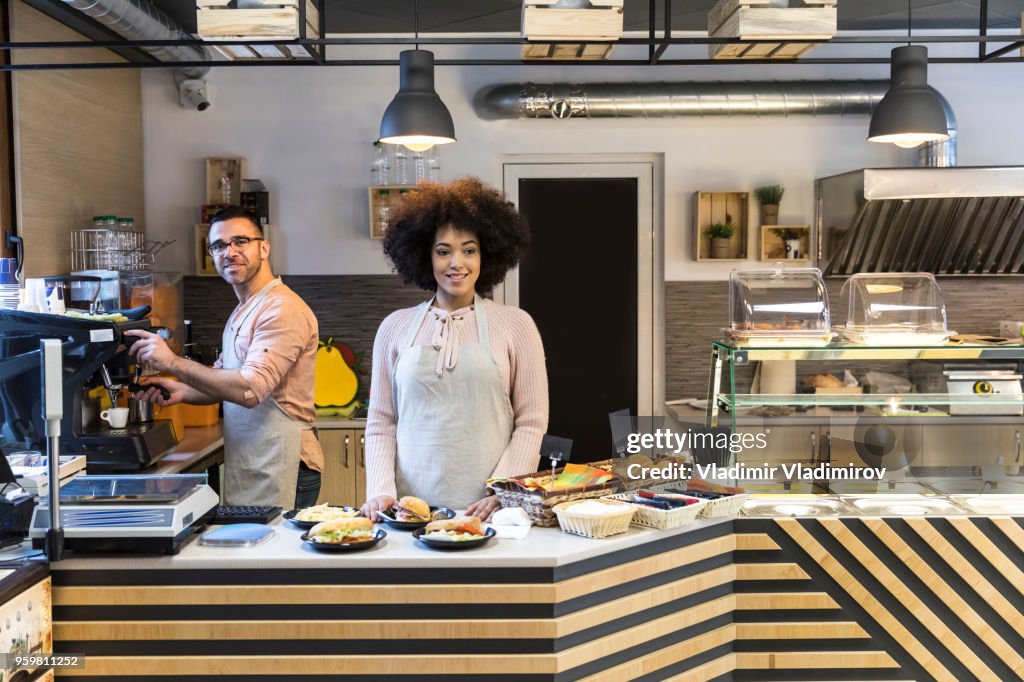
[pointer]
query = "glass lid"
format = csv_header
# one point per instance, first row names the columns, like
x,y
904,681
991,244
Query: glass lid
x,y
131,488
791,301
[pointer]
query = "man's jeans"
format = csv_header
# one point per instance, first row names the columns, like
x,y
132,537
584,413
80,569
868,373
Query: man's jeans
x,y
308,487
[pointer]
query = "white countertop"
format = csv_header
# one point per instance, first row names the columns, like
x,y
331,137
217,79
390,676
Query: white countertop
x,y
543,547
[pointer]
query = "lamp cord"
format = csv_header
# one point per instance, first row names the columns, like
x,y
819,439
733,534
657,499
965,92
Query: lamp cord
x,y
910,15
417,25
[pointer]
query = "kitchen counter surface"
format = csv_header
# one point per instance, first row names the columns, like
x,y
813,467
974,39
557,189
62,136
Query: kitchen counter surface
x,y
200,448
339,423
543,547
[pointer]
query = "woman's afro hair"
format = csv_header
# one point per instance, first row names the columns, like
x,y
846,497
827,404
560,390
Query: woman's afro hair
x,y
467,205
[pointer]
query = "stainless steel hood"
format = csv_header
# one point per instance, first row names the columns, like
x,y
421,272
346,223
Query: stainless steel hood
x,y
947,221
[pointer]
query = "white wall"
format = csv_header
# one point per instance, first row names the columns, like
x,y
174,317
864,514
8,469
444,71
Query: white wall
x,y
306,132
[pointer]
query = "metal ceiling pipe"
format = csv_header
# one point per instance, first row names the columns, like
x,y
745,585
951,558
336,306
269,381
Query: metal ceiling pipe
x,y
660,99
141,20
940,154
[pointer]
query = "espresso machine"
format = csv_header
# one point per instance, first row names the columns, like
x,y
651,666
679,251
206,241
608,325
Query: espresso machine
x,y
95,354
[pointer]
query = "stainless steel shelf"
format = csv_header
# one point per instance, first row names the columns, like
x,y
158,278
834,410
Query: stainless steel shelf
x,y
893,401
744,354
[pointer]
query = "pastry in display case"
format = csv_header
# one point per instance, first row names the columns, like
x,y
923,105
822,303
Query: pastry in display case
x,y
894,309
778,307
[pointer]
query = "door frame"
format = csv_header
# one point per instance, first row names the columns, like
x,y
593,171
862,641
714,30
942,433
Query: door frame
x,y
648,170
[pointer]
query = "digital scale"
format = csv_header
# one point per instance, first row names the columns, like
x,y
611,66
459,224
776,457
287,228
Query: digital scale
x,y
133,513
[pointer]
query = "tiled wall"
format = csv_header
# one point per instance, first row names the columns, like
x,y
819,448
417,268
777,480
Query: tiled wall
x,y
351,307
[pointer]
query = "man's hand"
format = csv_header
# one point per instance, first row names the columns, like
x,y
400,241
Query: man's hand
x,y
178,391
377,504
151,349
484,509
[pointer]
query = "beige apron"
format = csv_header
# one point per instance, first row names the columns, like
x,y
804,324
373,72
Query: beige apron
x,y
262,444
452,429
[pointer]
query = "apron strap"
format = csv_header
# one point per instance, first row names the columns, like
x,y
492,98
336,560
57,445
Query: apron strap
x,y
482,330
410,334
253,302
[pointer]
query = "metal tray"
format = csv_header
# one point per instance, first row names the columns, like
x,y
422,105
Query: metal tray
x,y
797,506
908,505
1009,505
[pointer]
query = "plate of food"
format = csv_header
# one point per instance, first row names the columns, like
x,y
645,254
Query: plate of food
x,y
410,513
310,516
343,535
458,533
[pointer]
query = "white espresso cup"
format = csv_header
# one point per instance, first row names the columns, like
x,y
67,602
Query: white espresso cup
x,y
117,417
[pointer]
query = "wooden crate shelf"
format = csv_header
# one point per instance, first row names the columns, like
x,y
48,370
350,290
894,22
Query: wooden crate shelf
x,y
720,207
774,249
587,32
385,195
791,27
220,167
284,19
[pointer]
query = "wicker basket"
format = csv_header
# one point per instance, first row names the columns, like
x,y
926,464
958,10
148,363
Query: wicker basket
x,y
663,519
595,526
539,504
725,506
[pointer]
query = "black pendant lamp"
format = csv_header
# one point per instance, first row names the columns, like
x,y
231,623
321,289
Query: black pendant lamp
x,y
910,114
416,117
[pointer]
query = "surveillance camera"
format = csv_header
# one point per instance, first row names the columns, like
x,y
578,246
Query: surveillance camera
x,y
193,94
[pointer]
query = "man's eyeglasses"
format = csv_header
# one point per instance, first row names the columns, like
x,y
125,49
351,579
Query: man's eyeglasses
x,y
217,248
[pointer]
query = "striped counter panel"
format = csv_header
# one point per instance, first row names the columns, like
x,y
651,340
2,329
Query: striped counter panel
x,y
901,599
659,611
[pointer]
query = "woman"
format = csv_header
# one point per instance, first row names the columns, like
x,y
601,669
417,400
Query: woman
x,y
459,387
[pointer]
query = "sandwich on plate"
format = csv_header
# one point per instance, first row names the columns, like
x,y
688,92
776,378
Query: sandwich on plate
x,y
342,531
455,530
411,509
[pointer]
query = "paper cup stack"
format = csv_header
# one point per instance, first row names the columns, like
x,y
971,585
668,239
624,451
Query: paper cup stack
x,y
8,283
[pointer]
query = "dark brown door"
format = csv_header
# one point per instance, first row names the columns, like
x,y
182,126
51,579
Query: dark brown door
x,y
579,282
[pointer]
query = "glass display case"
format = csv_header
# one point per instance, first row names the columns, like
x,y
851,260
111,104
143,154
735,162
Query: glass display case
x,y
894,309
778,307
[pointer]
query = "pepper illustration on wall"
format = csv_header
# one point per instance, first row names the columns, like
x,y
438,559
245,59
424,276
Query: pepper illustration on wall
x,y
335,382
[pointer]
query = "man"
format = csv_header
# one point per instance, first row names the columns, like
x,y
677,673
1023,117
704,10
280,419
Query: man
x,y
264,375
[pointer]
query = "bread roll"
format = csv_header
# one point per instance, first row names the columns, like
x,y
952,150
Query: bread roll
x,y
354,523
414,506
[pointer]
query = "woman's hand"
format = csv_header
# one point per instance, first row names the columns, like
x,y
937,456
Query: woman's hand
x,y
377,504
484,509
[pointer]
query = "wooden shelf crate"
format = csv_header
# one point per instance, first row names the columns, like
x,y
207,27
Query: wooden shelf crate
x,y
719,207
385,195
586,31
774,249
756,20
231,168
284,19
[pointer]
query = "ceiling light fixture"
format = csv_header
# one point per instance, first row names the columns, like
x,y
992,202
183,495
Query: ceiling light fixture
x,y
911,113
416,117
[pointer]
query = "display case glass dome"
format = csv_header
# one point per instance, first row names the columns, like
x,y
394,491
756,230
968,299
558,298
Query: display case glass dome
x,y
898,308
778,307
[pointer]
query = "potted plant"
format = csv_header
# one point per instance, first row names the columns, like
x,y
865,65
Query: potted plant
x,y
793,239
770,196
720,235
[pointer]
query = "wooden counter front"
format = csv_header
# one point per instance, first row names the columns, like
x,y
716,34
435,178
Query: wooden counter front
x,y
744,599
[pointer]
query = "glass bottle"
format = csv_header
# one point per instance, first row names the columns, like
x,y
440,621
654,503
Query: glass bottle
x,y
433,164
225,190
383,211
401,165
380,172
419,165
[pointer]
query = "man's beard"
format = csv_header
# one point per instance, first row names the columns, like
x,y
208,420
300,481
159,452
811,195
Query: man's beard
x,y
250,271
